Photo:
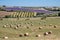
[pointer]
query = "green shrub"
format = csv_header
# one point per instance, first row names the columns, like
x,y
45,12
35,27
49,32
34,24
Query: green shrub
x,y
7,16
58,14
44,17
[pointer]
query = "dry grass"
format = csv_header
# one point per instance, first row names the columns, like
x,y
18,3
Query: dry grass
x,y
32,30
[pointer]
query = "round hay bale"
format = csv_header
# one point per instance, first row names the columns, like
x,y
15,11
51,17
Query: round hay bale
x,y
40,27
7,24
50,32
18,25
41,18
27,27
5,37
55,26
4,26
46,33
38,35
20,35
50,24
15,28
11,25
26,34
31,24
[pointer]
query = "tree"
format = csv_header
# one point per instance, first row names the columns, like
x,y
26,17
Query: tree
x,y
58,14
3,6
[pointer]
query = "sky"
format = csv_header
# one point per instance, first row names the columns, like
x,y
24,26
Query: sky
x,y
30,2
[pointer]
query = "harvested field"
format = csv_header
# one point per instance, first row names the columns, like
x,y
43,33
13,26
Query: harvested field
x,y
34,30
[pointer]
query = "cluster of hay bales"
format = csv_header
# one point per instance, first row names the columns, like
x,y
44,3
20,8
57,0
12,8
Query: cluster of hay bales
x,y
15,26
26,34
11,26
30,24
7,25
55,26
46,33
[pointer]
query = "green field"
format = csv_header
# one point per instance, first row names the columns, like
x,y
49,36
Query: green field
x,y
33,24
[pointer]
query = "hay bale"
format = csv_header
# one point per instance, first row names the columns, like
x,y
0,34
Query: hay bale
x,y
11,25
26,34
50,24
55,26
15,27
50,32
18,25
42,18
20,35
40,27
5,37
27,27
4,26
46,33
7,24
31,24
38,35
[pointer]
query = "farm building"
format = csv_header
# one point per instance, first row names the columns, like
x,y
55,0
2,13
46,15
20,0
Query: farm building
x,y
25,12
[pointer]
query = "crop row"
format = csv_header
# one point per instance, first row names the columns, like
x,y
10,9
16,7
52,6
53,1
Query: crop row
x,y
23,14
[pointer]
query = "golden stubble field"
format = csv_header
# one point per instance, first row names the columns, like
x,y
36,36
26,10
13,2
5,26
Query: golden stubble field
x,y
30,29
